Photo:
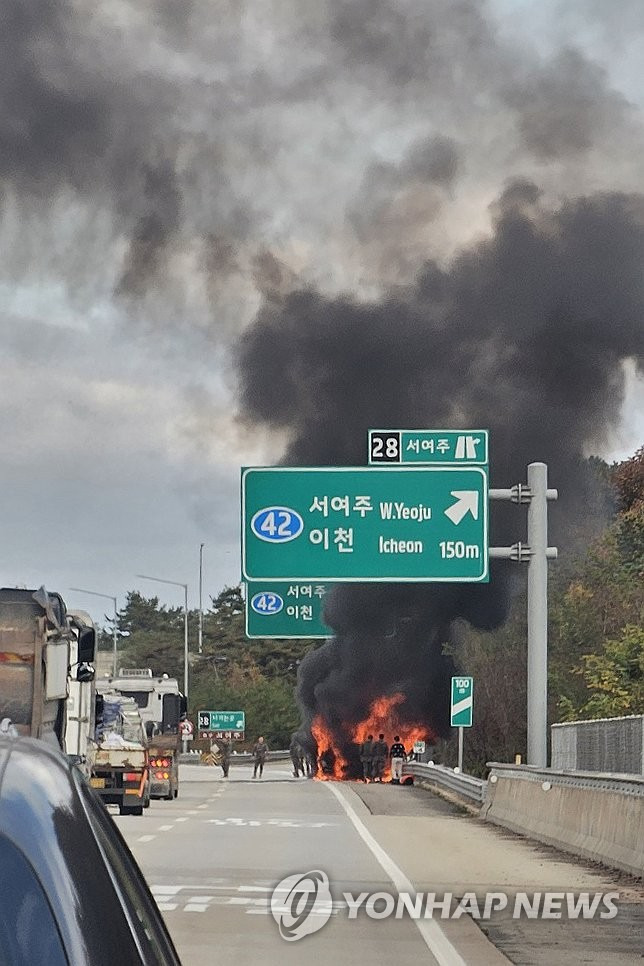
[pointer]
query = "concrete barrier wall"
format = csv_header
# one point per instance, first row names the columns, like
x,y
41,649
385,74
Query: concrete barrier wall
x,y
598,817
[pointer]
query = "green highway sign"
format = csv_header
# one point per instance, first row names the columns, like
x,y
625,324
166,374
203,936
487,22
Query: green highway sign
x,y
365,523
286,609
221,724
462,447
462,702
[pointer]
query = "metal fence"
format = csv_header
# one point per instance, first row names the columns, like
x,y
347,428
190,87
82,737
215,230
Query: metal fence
x,y
465,786
604,745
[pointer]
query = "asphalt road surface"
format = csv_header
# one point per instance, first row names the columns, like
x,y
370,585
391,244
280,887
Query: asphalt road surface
x,y
213,857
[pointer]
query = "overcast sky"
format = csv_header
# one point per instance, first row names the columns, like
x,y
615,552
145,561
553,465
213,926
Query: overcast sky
x,y
163,171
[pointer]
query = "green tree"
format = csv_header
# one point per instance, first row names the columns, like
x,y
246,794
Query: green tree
x,y
614,678
151,635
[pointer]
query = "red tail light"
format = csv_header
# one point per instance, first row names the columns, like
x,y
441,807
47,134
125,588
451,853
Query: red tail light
x,y
160,762
163,775
132,776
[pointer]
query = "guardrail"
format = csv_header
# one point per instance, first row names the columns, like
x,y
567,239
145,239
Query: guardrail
x,y
590,780
244,757
591,814
466,786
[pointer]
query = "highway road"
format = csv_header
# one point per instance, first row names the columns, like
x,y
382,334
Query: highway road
x,y
213,857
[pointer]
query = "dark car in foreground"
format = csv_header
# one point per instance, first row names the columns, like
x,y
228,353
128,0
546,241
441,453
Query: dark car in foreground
x,y
70,890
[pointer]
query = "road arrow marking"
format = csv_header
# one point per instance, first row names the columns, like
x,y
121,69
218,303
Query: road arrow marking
x,y
467,501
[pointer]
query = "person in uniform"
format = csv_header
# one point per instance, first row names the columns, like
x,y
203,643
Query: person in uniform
x,y
397,755
366,757
311,763
260,751
224,755
297,756
380,752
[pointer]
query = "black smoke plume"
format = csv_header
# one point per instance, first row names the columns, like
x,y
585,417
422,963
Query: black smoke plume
x,y
524,333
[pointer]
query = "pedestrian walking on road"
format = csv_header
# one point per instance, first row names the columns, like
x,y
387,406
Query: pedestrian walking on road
x,y
380,752
398,756
260,751
366,757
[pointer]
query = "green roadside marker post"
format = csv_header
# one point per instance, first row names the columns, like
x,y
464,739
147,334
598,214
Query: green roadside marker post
x,y
462,706
286,609
365,523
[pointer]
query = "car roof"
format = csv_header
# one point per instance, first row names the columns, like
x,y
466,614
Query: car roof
x,y
49,814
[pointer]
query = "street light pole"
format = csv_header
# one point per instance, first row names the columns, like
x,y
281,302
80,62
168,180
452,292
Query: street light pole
x,y
178,583
95,593
200,646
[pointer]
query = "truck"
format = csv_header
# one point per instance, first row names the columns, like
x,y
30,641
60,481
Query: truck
x,y
120,771
44,650
162,707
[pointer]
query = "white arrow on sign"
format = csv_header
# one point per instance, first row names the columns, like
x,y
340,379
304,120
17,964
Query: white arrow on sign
x,y
467,501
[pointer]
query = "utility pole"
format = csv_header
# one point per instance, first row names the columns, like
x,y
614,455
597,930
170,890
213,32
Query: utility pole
x,y
200,644
177,583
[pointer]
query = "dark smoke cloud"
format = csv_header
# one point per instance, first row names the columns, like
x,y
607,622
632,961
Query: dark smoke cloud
x,y
524,333
398,202
154,230
566,106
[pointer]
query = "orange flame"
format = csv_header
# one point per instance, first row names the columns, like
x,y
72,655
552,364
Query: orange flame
x,y
384,717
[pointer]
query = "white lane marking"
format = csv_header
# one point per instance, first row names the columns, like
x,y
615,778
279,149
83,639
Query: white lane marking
x,y
165,890
202,806
245,901
183,819
166,906
146,838
273,822
164,828
435,939
194,907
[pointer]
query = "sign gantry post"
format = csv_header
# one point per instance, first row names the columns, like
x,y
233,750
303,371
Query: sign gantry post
x,y
536,553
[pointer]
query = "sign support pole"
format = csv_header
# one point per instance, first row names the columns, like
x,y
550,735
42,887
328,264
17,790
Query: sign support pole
x,y
538,616
460,749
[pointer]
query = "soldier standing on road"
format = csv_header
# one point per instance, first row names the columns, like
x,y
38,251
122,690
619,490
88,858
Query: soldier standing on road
x,y
260,751
398,755
311,763
380,752
366,757
297,756
224,749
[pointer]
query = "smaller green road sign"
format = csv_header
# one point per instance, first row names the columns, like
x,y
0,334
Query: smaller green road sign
x,y
462,447
286,609
222,721
462,702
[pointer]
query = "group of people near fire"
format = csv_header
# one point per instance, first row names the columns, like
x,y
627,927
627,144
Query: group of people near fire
x,y
374,755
